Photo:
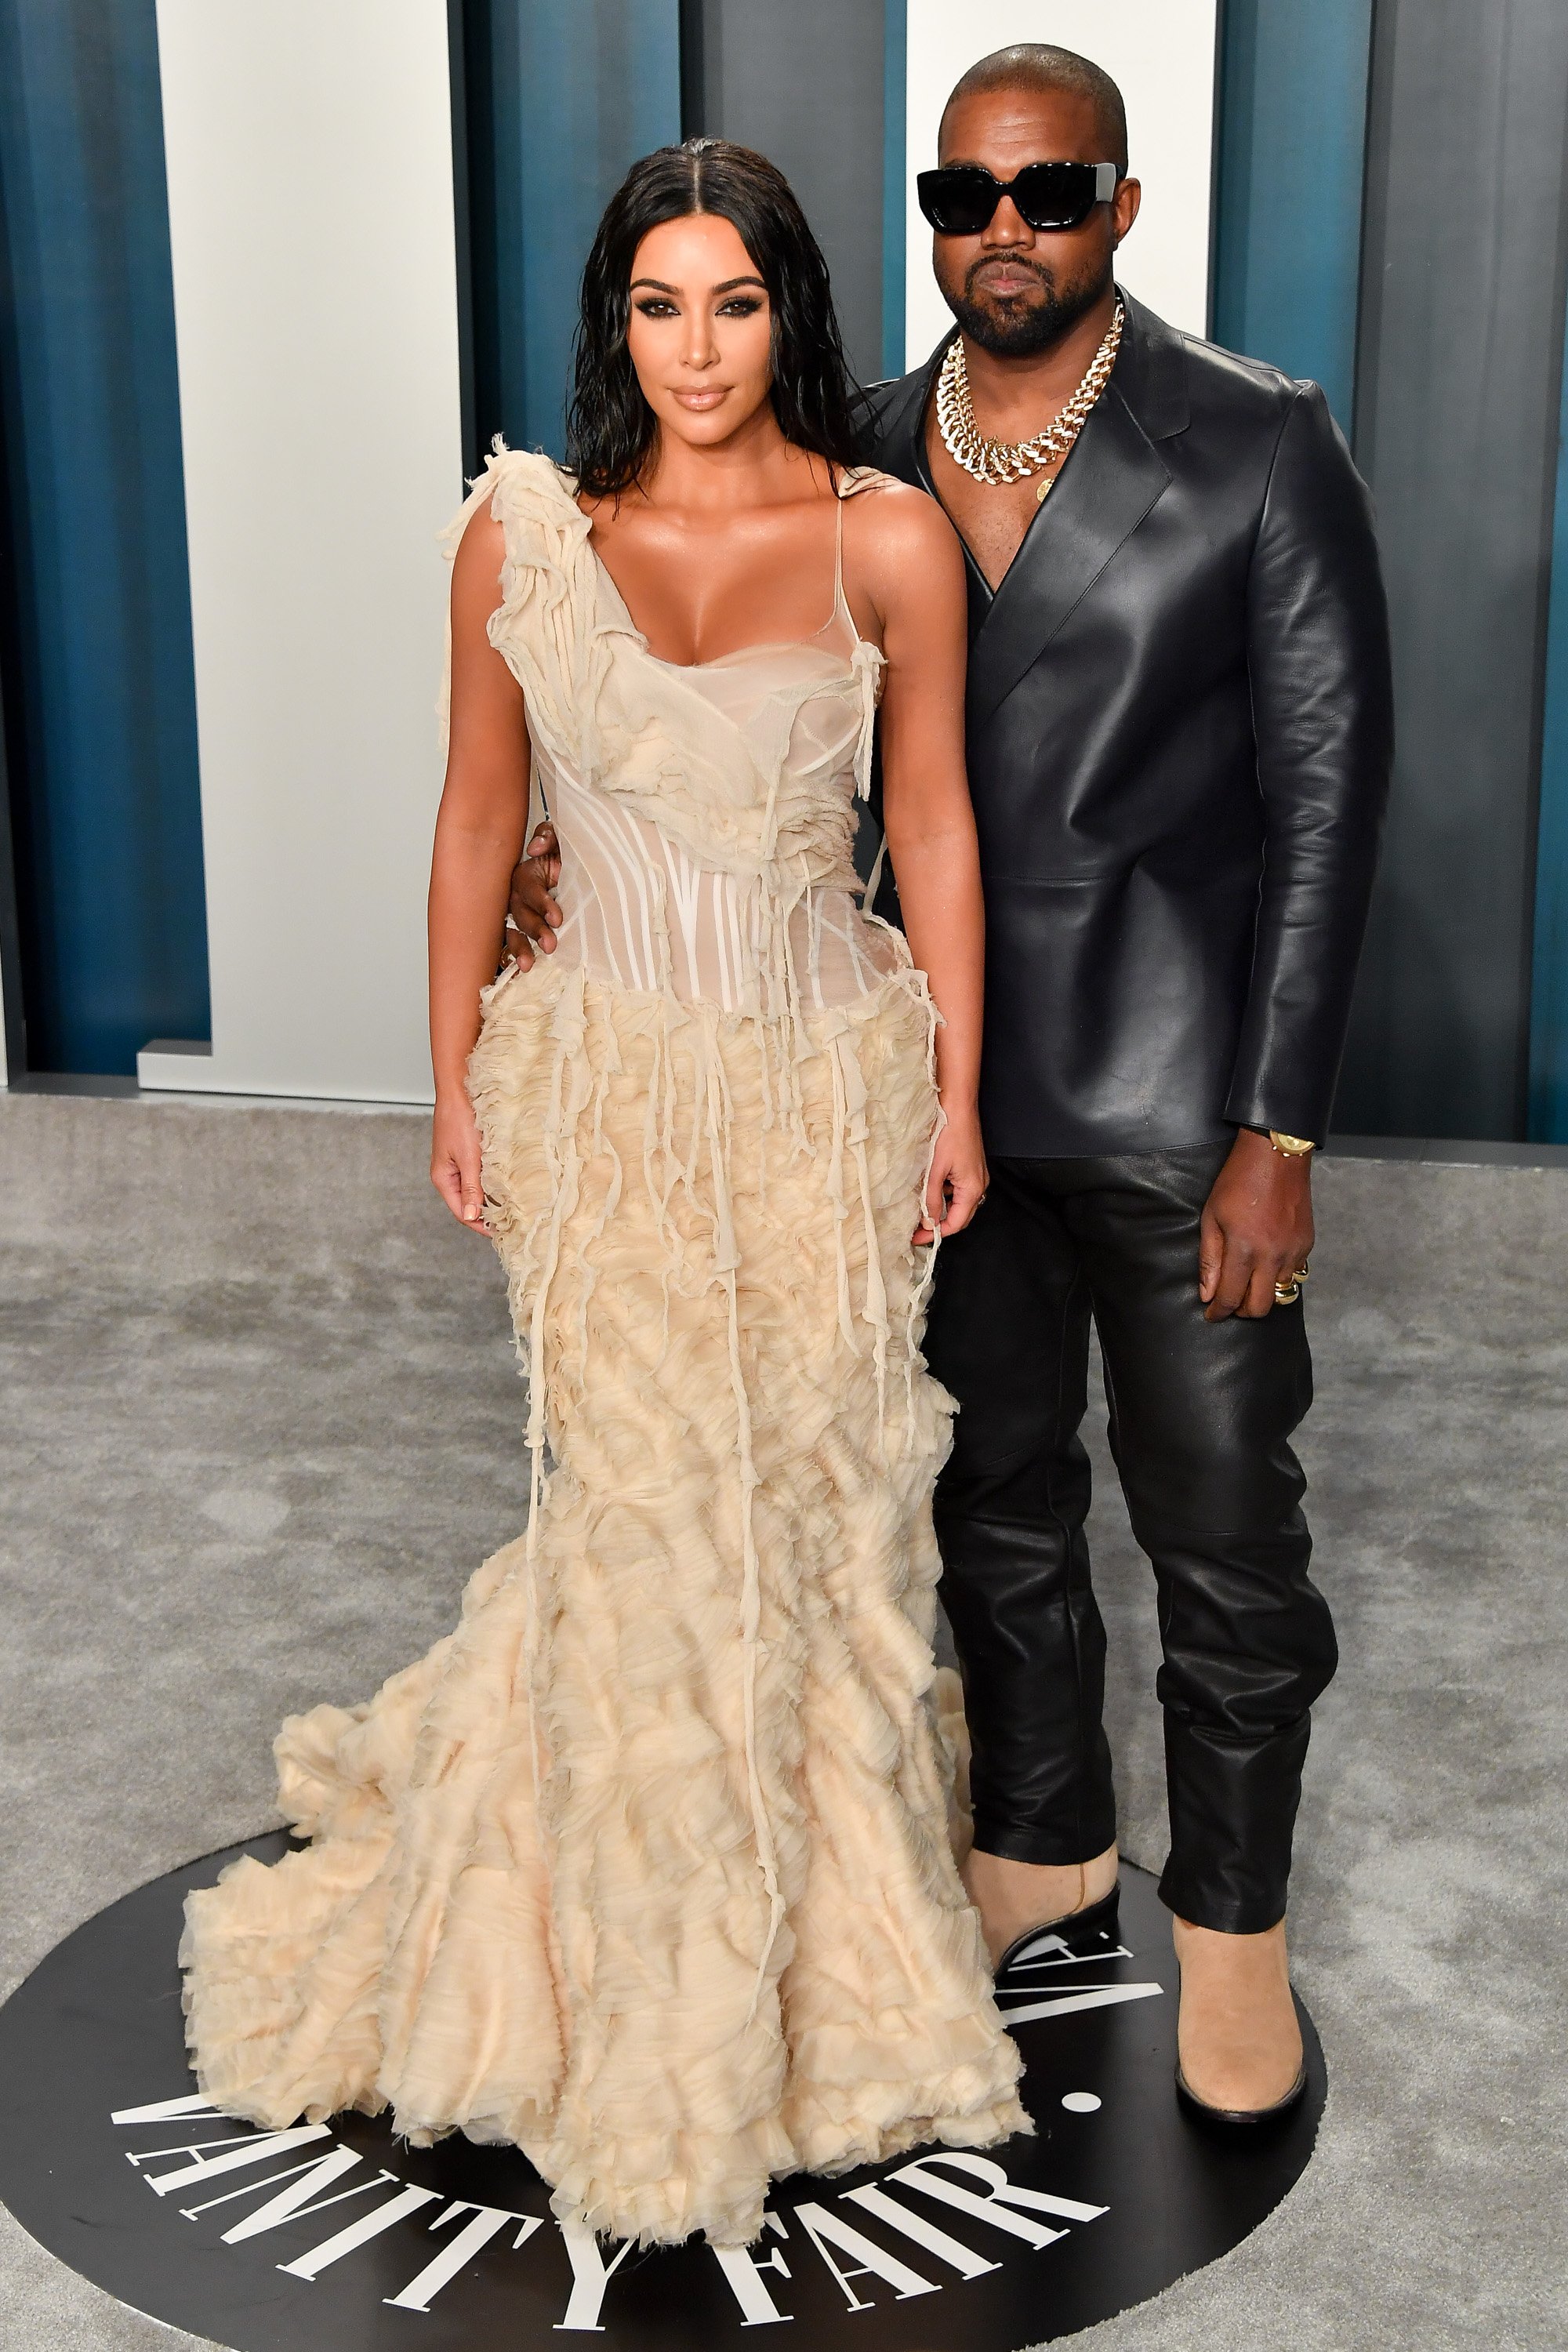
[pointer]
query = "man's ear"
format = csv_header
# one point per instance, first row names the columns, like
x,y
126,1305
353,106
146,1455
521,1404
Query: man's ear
x,y
1124,206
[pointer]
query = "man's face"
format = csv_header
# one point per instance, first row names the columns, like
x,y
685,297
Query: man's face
x,y
1015,289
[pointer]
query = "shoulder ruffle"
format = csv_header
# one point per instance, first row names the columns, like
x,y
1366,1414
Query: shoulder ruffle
x,y
864,477
546,581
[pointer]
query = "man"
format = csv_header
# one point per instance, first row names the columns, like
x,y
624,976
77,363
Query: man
x,y
1179,740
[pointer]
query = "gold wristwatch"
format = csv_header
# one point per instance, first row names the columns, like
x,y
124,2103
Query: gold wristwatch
x,y
1294,1146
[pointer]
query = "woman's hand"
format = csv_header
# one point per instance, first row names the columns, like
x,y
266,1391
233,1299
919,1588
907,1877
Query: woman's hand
x,y
956,1185
455,1161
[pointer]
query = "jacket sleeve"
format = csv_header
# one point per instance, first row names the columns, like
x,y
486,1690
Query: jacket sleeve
x,y
1318,653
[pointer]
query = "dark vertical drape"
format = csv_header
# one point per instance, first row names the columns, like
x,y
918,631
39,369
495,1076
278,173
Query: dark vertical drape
x,y
807,84
1549,994
1291,146
895,159
15,1038
1457,400
94,601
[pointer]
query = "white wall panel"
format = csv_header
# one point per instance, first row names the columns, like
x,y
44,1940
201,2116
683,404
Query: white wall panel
x,y
1162,53
311,205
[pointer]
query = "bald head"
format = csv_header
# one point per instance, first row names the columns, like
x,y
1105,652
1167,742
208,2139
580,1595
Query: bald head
x,y
1040,70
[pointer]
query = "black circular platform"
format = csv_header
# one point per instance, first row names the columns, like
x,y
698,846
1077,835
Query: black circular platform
x,y
340,2237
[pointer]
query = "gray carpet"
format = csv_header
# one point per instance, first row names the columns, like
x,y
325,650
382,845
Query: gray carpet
x,y
259,1418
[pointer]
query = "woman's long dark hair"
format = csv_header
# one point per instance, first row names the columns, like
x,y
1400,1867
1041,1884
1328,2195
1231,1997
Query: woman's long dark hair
x,y
610,426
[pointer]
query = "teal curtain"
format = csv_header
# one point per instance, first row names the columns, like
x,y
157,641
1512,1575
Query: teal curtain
x,y
1293,140
94,599
560,96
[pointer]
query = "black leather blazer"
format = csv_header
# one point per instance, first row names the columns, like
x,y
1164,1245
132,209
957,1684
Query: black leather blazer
x,y
1179,735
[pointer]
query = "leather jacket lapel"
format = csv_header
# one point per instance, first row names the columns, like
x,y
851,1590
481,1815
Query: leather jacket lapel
x,y
1106,489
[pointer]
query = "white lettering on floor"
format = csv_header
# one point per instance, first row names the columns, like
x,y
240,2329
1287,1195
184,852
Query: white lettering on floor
x,y
744,2271
255,2148
924,2173
1063,2004
590,2276
847,2253
358,2233
294,2204
964,2261
164,2110
489,2221
826,2229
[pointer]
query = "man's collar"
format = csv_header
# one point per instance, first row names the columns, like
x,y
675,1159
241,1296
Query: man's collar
x,y
1150,371
900,409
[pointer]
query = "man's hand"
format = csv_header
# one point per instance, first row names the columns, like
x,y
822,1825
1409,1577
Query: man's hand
x,y
535,917
1257,1228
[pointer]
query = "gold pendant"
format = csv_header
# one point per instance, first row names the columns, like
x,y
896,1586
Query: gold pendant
x,y
1040,493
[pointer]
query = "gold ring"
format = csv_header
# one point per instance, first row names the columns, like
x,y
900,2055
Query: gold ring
x,y
1286,1294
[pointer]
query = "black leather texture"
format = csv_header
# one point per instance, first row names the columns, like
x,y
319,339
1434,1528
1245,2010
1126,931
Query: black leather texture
x,y
1179,738
1201,1416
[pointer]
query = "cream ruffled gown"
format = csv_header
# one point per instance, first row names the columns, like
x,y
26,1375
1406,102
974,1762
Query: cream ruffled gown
x,y
646,1868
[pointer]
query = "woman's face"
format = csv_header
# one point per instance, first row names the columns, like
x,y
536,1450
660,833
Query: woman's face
x,y
700,328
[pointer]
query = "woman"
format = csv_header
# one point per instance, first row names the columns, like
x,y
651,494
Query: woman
x,y
646,1868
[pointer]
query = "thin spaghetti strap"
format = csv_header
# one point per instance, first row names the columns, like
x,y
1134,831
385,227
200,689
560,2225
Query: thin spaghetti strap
x,y
838,555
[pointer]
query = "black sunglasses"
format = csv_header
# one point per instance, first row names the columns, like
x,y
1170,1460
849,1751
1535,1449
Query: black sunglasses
x,y
960,199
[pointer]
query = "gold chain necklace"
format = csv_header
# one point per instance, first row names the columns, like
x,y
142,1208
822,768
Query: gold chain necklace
x,y
1000,462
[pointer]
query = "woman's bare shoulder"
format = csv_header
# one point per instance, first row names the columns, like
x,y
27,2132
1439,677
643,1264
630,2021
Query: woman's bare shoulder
x,y
481,552
898,513
484,535
902,536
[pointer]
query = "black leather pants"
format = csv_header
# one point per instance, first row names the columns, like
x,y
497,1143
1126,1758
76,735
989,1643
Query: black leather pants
x,y
1201,1418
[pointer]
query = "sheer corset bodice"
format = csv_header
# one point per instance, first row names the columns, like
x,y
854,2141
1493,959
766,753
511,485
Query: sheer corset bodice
x,y
705,811
640,911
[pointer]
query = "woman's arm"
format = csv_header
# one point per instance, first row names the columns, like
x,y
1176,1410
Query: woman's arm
x,y
479,835
913,570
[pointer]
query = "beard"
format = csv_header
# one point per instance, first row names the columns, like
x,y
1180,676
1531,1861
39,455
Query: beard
x,y
1020,326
